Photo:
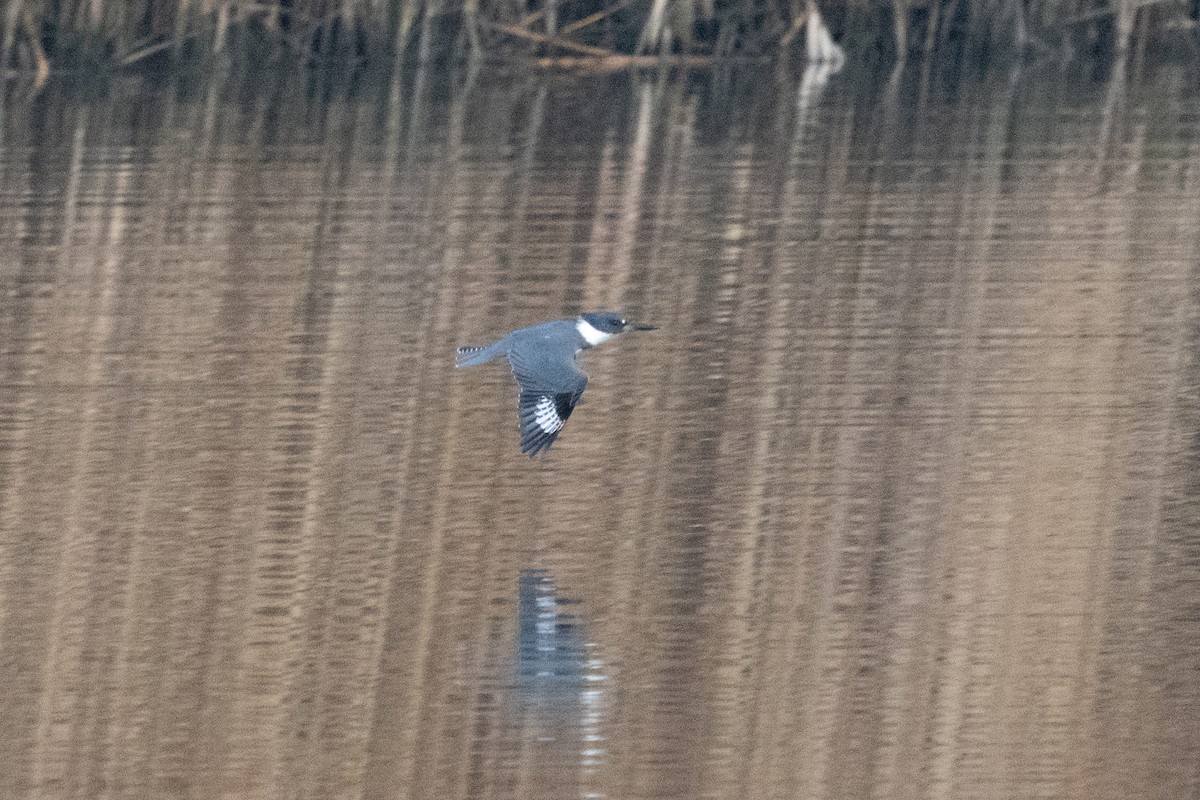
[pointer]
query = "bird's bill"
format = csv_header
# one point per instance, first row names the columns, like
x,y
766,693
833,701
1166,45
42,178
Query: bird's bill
x,y
645,327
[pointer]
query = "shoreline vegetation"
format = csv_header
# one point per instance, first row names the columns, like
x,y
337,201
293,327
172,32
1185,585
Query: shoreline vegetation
x,y
44,36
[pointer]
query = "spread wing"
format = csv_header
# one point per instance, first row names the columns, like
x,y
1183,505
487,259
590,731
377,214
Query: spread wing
x,y
550,386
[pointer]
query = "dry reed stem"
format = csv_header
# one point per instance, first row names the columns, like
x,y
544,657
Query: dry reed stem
x,y
41,61
127,33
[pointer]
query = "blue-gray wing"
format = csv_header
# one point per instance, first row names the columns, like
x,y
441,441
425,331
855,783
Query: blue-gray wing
x,y
550,383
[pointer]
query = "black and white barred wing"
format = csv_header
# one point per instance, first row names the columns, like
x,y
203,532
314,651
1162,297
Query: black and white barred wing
x,y
550,389
542,417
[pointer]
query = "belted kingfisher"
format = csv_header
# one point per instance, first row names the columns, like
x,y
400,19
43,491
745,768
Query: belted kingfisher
x,y
543,359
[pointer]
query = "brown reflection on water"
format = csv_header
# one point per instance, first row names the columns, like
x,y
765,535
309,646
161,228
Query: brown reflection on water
x,y
899,502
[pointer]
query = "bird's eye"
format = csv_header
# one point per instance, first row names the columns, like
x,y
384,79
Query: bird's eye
x,y
622,323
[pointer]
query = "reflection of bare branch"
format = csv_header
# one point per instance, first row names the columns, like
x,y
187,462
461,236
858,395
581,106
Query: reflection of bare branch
x,y
632,192
812,85
1114,100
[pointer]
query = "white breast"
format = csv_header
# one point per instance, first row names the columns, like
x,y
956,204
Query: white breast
x,y
592,335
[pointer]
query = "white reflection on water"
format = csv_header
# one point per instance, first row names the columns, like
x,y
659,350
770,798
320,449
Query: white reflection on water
x,y
561,681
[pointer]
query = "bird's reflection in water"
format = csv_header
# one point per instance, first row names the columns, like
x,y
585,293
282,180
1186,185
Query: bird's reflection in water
x,y
560,686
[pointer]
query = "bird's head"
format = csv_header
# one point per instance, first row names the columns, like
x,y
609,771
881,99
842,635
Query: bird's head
x,y
610,322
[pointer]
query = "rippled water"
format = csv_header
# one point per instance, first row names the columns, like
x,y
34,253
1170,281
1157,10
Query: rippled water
x,y
901,500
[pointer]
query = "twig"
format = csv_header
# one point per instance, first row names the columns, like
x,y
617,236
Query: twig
x,y
145,52
531,17
786,40
244,12
616,62
591,19
565,44
1087,16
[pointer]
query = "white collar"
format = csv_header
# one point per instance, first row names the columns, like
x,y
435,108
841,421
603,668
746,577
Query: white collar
x,y
590,333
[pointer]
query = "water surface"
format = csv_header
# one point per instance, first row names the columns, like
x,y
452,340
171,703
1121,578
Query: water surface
x,y
899,502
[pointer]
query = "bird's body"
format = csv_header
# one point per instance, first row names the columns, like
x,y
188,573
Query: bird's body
x,y
543,360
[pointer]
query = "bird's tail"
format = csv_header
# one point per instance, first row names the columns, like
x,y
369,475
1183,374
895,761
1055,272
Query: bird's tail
x,y
472,356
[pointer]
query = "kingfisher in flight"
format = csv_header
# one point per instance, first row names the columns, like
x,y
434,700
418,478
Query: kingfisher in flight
x,y
544,360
